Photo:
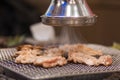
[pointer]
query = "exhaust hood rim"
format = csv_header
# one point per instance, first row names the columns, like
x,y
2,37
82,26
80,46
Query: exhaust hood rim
x,y
69,21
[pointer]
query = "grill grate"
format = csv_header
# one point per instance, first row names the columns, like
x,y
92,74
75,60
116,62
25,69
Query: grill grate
x,y
71,69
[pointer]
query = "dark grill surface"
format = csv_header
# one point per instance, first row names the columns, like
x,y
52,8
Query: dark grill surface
x,y
71,69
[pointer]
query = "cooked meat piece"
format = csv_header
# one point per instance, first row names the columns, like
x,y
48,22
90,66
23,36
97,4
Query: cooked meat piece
x,y
54,52
20,53
66,48
24,47
89,51
29,47
35,50
38,48
105,60
48,58
80,48
25,58
47,61
90,60
82,58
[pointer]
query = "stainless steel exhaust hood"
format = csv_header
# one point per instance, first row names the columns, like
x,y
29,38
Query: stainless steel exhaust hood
x,y
69,13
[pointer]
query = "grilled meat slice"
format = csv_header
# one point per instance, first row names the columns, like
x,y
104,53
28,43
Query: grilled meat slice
x,y
105,60
90,60
54,52
25,57
80,48
34,55
89,51
82,58
24,47
29,47
50,61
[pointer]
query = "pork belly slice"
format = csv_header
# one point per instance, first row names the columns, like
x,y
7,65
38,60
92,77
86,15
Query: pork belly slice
x,y
25,58
89,51
81,48
105,60
90,60
35,52
28,47
50,61
54,52
82,58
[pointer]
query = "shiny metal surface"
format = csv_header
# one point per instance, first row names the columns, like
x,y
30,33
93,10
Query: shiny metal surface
x,y
69,13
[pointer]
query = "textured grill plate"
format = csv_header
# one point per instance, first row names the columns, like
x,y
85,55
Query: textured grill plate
x,y
39,73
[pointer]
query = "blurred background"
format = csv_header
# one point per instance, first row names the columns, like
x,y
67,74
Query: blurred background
x,y
16,16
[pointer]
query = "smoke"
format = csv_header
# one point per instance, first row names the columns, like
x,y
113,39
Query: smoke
x,y
68,35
